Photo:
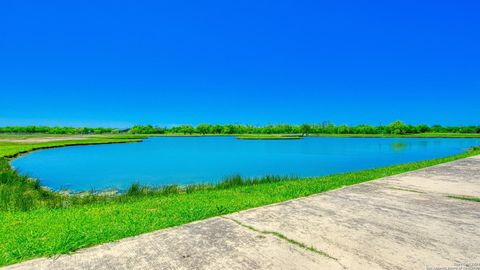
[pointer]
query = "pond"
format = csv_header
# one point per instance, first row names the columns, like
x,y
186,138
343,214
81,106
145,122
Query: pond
x,y
187,160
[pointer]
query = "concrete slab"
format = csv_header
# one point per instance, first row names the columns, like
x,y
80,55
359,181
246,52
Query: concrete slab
x,y
369,227
214,243
405,221
461,177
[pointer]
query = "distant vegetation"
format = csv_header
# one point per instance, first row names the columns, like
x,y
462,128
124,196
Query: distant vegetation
x,y
269,137
57,130
395,128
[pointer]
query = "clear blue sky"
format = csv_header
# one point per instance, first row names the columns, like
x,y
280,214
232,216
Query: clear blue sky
x,y
117,63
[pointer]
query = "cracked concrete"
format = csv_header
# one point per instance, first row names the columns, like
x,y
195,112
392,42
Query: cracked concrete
x,y
381,224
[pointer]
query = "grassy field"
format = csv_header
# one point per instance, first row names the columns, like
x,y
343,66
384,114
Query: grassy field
x,y
12,149
60,223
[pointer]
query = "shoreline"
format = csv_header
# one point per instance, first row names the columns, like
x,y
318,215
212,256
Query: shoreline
x,y
65,143
417,135
18,154
60,137
140,138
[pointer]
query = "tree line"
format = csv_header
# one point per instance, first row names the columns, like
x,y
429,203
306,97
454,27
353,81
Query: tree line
x,y
397,128
57,130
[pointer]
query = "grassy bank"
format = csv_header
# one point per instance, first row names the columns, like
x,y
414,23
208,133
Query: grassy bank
x,y
269,137
10,149
140,136
46,229
416,135
419,135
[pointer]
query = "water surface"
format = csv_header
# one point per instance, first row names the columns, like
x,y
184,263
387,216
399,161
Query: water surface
x,y
187,160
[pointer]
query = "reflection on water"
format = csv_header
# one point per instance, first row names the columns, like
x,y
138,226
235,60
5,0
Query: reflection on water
x,y
398,146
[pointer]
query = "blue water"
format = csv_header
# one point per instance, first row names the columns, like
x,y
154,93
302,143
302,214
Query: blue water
x,y
187,160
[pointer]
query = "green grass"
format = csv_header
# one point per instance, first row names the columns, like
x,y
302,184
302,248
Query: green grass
x,y
30,135
269,137
12,149
406,189
466,198
82,221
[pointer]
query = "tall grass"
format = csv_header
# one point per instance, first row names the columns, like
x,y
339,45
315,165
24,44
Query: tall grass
x,y
21,193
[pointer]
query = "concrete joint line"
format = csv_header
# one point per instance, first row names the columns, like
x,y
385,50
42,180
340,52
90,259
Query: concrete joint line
x,y
283,237
405,189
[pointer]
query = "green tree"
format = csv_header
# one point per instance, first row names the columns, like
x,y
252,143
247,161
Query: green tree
x,y
398,127
203,128
139,129
305,129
